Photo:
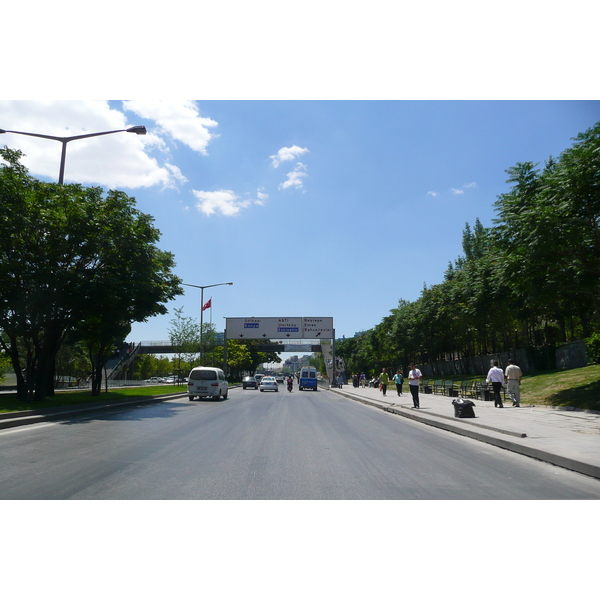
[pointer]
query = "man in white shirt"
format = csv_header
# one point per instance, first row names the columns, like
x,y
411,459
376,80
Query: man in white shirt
x,y
496,377
414,376
513,385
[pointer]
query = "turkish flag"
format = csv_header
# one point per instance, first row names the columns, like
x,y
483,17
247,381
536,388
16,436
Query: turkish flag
x,y
207,305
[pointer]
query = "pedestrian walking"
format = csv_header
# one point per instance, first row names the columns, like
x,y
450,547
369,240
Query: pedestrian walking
x,y
399,380
340,381
363,380
414,377
495,376
355,380
384,379
513,382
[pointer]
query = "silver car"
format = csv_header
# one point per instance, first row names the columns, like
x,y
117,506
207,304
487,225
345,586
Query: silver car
x,y
268,383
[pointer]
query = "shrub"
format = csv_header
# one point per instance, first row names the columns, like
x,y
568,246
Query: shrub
x,y
593,348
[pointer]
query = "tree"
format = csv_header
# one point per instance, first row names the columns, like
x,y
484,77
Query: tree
x,y
184,336
239,358
4,366
73,261
101,335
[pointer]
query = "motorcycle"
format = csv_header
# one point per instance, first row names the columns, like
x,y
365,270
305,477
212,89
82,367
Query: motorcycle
x,y
290,385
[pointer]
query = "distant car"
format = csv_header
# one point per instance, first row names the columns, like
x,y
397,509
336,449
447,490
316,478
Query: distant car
x,y
249,382
268,383
169,380
279,378
155,380
259,376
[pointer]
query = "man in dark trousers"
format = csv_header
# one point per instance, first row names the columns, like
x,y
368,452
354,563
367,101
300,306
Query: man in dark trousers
x,y
496,377
414,377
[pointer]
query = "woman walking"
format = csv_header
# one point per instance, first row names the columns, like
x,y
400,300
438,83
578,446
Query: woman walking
x,y
398,380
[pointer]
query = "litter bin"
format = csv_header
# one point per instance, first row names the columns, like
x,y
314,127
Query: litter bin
x,y
463,409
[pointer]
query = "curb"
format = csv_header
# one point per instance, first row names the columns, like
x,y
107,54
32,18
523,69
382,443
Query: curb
x,y
30,417
507,444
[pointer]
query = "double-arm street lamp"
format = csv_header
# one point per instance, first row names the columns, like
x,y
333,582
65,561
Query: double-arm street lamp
x,y
138,129
202,288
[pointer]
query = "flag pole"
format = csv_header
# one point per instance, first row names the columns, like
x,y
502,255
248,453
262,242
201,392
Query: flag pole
x,y
201,320
202,288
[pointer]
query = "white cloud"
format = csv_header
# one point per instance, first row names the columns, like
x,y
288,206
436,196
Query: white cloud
x,y
118,160
455,191
122,160
181,120
176,173
261,197
285,154
470,185
432,194
225,202
294,178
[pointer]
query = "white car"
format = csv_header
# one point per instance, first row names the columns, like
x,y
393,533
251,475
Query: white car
x,y
155,380
268,383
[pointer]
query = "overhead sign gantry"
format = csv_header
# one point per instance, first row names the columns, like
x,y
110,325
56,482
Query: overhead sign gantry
x,y
275,328
285,328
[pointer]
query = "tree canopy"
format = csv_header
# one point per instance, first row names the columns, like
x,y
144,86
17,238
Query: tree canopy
x,y
74,261
531,280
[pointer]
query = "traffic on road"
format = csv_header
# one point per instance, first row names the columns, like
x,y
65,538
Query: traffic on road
x,y
301,445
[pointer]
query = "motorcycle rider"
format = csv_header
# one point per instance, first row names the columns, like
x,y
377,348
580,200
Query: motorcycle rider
x,y
290,383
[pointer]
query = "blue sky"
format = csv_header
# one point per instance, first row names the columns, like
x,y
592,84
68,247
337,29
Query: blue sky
x,y
312,208
335,153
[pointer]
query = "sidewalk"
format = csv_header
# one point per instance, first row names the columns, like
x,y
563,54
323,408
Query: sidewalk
x,y
567,438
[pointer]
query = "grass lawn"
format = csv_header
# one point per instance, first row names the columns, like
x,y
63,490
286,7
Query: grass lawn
x,y
9,402
579,388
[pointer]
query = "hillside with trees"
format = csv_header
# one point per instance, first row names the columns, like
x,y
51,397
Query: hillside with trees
x,y
531,280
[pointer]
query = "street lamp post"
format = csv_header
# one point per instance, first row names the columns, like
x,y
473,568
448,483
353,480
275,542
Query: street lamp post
x,y
137,129
202,288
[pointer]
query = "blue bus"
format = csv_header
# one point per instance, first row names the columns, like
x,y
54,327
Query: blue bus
x,y
308,378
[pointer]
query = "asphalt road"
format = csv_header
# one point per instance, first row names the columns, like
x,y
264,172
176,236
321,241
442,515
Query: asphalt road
x,y
299,445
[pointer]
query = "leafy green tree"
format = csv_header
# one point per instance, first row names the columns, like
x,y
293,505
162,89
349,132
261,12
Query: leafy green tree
x,y
4,366
101,335
71,255
184,336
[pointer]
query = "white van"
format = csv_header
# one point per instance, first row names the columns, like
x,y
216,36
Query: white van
x,y
207,382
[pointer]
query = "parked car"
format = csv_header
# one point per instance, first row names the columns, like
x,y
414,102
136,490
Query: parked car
x,y
249,382
155,380
268,383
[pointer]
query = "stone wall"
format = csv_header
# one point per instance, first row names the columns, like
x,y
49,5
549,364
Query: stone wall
x,y
568,356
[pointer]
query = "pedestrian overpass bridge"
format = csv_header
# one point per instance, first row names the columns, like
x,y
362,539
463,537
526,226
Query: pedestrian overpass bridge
x,y
128,353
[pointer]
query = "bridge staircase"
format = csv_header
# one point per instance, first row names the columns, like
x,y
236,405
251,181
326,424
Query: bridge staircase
x,y
122,363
